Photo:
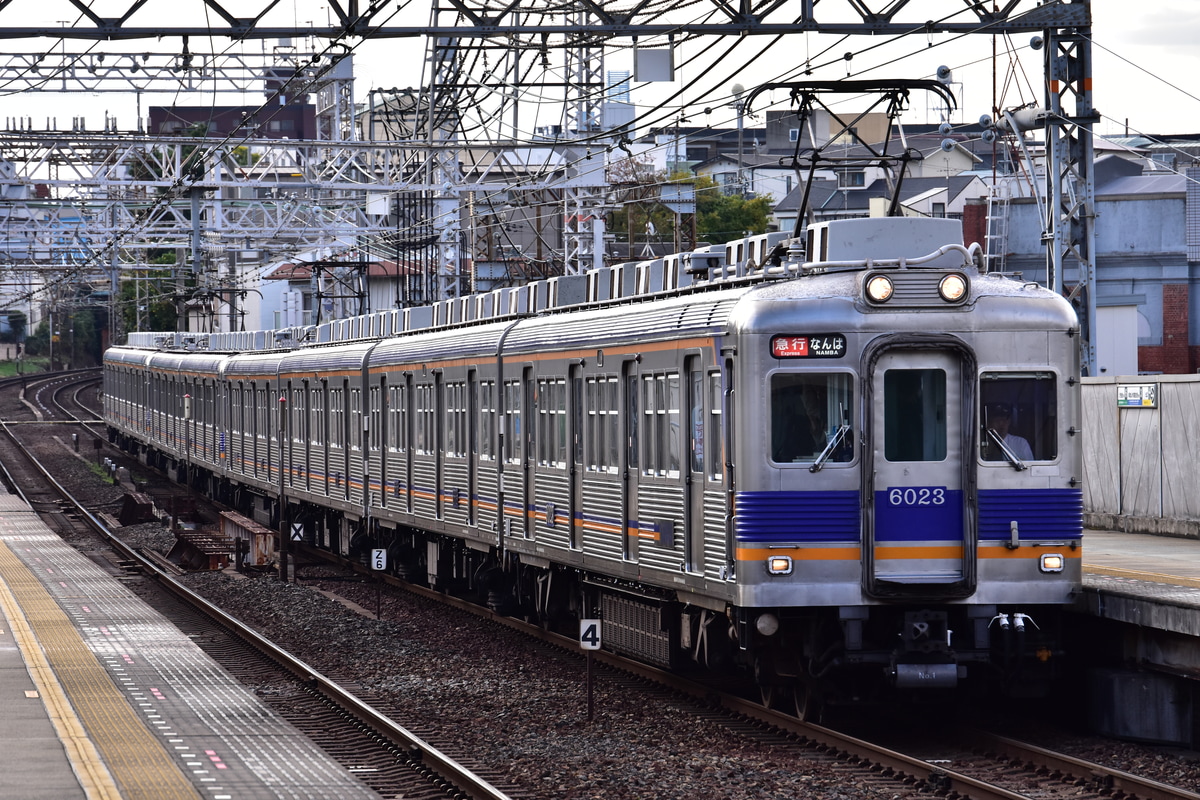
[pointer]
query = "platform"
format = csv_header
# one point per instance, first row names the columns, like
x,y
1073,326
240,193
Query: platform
x,y
1153,581
104,698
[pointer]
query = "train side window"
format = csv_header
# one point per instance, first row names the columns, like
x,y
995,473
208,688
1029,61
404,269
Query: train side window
x,y
456,419
356,418
487,420
426,419
695,402
397,432
716,466
337,416
512,422
661,417
298,413
914,415
1020,409
375,431
552,422
603,431
807,409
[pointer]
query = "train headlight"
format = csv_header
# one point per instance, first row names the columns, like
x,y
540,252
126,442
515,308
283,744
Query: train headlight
x,y
953,288
767,624
879,289
1051,562
779,565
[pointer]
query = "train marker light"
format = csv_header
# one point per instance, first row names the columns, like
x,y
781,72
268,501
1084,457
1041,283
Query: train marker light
x,y
767,624
952,288
1051,562
779,565
879,289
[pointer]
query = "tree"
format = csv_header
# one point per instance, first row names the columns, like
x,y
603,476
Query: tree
x,y
17,323
154,292
640,218
724,217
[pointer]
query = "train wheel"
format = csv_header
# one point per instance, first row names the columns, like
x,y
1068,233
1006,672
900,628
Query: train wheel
x,y
769,688
806,705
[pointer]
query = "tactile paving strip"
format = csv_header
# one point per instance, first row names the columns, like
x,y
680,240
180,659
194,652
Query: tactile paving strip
x,y
214,729
136,760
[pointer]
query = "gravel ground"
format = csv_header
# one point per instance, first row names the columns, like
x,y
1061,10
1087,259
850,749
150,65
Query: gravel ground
x,y
520,708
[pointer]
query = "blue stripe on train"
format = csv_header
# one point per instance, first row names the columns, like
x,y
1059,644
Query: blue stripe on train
x,y
797,517
1039,513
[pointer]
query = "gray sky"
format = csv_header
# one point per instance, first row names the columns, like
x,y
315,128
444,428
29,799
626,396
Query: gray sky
x,y
1146,70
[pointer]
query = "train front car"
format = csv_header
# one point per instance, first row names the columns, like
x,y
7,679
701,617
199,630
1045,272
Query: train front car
x,y
907,468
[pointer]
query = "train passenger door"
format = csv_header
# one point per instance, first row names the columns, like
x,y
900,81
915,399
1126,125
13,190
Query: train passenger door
x,y
439,444
918,540
575,458
528,451
631,467
693,507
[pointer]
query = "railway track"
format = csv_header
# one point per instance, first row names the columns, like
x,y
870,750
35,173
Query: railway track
x,y
968,764
958,762
390,759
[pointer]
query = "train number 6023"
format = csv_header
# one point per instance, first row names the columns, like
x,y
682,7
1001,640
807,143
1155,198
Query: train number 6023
x,y
917,496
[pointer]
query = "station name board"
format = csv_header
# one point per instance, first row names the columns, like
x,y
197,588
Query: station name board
x,y
814,345
1137,395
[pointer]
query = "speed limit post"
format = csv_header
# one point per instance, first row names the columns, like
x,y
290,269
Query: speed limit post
x,y
589,640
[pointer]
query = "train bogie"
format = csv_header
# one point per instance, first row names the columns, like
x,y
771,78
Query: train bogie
x,y
865,463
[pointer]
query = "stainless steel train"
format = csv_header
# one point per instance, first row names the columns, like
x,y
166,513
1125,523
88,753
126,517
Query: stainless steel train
x,y
846,463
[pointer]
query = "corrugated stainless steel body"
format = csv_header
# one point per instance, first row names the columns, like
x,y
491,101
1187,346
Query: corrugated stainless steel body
x,y
635,446
324,457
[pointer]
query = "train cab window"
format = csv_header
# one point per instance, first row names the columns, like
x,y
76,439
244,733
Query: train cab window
x,y
1018,417
914,415
811,411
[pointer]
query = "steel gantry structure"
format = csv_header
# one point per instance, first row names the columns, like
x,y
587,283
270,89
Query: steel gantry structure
x,y
104,208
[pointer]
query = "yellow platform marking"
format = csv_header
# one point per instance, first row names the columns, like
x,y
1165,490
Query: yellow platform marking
x,y
1152,577
82,699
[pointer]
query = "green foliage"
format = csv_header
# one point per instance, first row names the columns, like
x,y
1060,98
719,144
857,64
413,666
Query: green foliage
x,y
76,341
23,366
150,298
723,217
17,322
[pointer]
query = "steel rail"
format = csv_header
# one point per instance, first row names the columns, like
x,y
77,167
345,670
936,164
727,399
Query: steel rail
x,y
429,756
1113,781
888,761
938,778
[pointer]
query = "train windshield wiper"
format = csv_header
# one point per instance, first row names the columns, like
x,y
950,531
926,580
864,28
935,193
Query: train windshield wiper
x,y
834,441
1009,455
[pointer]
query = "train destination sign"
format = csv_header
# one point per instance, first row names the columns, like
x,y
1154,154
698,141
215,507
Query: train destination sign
x,y
813,345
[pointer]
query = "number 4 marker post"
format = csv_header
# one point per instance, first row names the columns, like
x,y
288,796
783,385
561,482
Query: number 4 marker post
x,y
589,640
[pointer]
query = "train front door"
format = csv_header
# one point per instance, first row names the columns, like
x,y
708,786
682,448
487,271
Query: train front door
x,y
918,541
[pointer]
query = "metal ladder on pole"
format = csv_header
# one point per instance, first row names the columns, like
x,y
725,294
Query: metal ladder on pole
x,y
997,226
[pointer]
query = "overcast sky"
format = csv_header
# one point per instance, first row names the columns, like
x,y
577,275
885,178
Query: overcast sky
x,y
1146,63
